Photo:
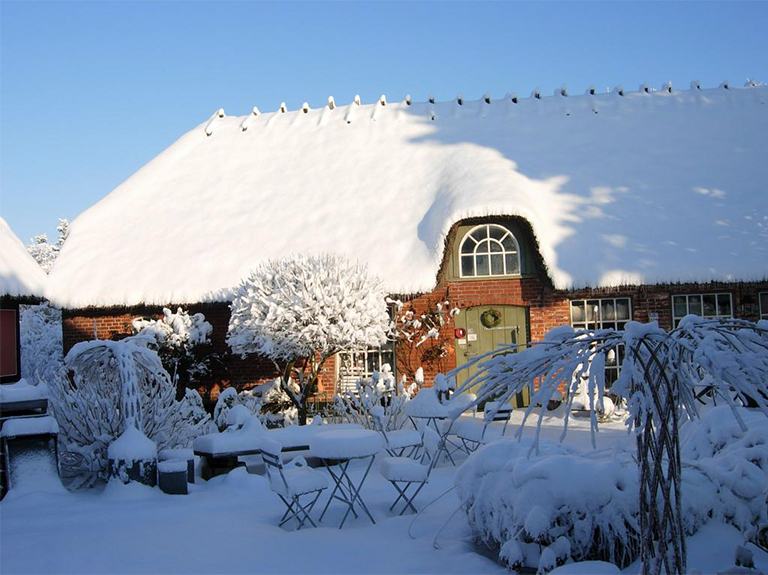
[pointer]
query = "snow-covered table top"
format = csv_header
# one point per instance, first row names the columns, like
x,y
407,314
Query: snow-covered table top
x,y
426,405
345,443
247,441
25,426
20,391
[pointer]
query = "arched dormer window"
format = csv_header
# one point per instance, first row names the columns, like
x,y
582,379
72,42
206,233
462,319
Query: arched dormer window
x,y
489,250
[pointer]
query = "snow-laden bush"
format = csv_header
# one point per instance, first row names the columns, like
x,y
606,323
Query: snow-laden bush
x,y
45,253
516,503
267,401
725,473
42,352
355,405
106,383
299,311
183,343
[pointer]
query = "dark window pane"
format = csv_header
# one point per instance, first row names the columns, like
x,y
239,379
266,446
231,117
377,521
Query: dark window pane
x,y
482,247
468,246
513,265
678,305
694,304
467,266
710,308
607,310
497,232
577,311
497,265
764,303
592,309
509,244
480,233
496,247
620,325
724,304
622,309
482,265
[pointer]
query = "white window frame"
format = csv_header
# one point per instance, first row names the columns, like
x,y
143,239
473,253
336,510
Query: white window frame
x,y
688,297
503,253
612,371
362,365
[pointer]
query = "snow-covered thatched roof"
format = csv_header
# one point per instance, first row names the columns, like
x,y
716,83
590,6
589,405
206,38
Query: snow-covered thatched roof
x,y
619,186
20,275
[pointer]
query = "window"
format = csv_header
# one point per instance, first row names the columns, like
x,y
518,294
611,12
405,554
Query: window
x,y
604,313
489,250
763,305
704,305
356,365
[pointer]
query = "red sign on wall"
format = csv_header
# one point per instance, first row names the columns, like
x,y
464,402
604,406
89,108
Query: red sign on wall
x,y
9,344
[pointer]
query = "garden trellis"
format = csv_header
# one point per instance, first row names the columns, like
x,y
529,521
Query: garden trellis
x,y
663,376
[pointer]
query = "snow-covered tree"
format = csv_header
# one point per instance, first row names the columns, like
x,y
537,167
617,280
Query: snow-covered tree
x,y
106,385
44,252
299,311
662,376
183,343
42,352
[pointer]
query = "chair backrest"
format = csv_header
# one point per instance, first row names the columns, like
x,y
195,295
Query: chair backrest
x,y
379,420
270,454
495,411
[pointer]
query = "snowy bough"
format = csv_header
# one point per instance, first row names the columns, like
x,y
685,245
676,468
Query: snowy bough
x,y
106,386
299,311
663,378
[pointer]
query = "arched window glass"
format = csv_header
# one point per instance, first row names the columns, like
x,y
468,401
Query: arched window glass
x,y
489,250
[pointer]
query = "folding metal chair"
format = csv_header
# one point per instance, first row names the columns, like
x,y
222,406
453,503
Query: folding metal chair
x,y
473,434
291,482
400,442
409,476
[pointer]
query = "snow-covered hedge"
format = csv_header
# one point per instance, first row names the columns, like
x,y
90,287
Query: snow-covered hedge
x,y
267,401
518,501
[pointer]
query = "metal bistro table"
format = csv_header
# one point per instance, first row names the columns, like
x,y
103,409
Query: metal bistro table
x,y
337,449
436,415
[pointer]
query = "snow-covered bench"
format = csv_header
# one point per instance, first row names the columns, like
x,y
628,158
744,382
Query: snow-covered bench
x,y
221,451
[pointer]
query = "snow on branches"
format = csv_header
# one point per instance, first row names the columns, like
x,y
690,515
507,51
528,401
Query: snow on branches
x,y
107,385
300,310
42,352
45,253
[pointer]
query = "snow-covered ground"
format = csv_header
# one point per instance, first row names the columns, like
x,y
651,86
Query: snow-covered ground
x,y
229,525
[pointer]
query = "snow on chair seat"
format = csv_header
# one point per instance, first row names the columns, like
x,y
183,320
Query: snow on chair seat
x,y
292,482
403,469
474,433
399,441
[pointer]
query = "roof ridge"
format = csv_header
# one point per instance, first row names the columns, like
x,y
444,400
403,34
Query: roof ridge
x,y
536,94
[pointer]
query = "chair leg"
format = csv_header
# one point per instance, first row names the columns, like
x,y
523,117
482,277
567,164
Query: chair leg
x,y
403,494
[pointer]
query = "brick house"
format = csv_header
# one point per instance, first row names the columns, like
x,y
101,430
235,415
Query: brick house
x,y
523,213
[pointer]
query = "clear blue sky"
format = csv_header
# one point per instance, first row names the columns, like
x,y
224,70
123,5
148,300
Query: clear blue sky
x,y
91,91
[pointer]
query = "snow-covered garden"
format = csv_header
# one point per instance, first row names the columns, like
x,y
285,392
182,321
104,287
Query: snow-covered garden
x,y
670,475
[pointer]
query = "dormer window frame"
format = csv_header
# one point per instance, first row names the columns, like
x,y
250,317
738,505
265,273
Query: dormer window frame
x,y
498,239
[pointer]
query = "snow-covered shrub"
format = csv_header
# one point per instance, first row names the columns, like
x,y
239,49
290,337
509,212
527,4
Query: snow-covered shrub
x,y
516,503
299,311
267,401
725,473
105,384
183,343
419,340
42,352
354,406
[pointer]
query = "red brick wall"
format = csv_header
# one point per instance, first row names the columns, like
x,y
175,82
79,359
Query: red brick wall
x,y
548,308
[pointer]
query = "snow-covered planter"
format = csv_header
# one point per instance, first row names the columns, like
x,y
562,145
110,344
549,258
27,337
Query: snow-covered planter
x,y
542,510
133,457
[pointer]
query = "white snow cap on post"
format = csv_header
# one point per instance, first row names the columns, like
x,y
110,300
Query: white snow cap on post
x,y
644,88
305,107
591,90
487,98
667,87
459,99
407,100
536,93
431,98
695,85
247,120
383,100
619,90
331,103
561,91
283,108
216,115
356,99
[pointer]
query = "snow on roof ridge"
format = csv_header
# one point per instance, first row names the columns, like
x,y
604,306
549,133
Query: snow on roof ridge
x,y
560,92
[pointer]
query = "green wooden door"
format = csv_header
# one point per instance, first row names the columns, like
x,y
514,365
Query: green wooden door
x,y
511,327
